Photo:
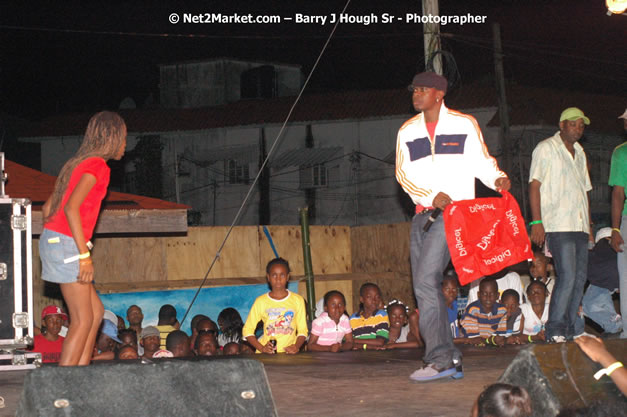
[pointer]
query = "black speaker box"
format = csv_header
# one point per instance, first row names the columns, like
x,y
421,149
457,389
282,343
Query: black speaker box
x,y
561,375
168,388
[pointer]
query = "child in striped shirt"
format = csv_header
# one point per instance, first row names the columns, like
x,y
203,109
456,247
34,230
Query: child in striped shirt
x,y
485,320
370,324
331,332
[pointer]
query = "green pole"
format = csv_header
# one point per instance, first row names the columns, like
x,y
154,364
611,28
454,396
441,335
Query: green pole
x,y
311,294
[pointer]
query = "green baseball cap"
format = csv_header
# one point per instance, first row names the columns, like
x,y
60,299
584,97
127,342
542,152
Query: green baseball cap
x,y
573,113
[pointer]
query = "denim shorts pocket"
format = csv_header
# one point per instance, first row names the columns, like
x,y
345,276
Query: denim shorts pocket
x,y
50,247
69,249
53,249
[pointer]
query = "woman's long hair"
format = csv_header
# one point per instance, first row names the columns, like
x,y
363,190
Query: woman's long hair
x,y
104,135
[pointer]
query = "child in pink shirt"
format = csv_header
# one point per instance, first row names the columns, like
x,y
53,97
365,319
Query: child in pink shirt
x,y
332,327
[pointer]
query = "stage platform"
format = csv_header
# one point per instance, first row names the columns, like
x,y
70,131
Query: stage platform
x,y
359,383
376,383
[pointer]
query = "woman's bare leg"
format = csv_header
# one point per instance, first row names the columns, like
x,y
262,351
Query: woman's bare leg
x,y
97,313
78,297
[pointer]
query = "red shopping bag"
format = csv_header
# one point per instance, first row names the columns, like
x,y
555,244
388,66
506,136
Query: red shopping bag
x,y
485,235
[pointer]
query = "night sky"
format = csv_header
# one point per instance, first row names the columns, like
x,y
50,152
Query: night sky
x,y
58,57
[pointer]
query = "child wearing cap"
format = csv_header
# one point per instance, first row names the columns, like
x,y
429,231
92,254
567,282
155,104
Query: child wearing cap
x,y
107,339
150,341
49,343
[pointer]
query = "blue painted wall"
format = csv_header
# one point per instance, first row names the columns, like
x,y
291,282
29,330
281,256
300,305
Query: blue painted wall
x,y
209,302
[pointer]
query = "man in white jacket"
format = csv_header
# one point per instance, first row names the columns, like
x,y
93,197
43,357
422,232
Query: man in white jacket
x,y
439,152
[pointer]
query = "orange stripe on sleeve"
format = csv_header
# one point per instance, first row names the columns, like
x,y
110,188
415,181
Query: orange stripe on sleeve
x,y
401,177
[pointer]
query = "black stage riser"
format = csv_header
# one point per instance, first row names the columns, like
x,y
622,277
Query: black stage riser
x,y
167,388
561,375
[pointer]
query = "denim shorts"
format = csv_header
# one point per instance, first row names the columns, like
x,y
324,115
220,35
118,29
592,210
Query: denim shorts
x,y
54,248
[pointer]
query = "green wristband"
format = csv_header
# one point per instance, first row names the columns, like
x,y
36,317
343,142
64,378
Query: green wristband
x,y
535,222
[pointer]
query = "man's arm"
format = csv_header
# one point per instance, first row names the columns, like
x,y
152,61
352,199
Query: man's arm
x,y
487,169
618,203
590,224
537,229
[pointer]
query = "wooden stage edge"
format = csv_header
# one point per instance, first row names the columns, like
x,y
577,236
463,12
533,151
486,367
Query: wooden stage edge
x,y
358,383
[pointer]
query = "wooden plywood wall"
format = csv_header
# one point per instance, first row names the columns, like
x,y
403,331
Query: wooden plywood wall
x,y
166,261
134,259
330,248
377,253
189,257
381,248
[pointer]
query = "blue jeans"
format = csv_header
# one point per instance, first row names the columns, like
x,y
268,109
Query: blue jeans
x,y
429,256
598,306
570,254
622,276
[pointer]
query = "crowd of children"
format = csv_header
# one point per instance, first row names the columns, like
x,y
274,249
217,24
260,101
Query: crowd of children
x,y
497,313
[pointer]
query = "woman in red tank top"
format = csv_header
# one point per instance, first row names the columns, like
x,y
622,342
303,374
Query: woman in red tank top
x,y
70,216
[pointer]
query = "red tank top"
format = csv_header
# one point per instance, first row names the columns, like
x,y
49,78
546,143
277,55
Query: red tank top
x,y
90,208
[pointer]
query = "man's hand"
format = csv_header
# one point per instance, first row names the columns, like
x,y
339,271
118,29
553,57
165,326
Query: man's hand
x,y
502,184
441,200
617,241
537,234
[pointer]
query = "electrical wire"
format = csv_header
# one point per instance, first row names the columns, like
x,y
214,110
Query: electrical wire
x,y
282,36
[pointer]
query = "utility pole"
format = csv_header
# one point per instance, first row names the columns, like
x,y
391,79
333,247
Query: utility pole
x,y
215,191
355,159
502,99
431,33
176,172
264,182
310,193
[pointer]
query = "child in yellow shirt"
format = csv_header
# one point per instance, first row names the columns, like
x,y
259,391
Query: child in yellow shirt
x,y
282,312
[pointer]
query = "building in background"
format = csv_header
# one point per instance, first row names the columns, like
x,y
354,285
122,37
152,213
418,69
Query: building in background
x,y
219,119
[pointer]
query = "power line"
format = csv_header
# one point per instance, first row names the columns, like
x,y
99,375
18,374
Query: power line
x,y
265,162
205,36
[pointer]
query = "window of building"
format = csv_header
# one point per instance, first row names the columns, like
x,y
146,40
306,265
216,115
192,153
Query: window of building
x,y
237,173
315,176
319,175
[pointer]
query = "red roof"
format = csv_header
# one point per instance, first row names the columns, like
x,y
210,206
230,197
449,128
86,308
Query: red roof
x,y
328,106
24,182
528,106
